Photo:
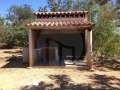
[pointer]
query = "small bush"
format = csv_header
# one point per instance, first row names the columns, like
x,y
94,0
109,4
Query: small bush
x,y
21,37
6,39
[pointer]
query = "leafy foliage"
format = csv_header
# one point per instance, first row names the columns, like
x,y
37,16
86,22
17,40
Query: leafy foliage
x,y
14,33
6,39
105,39
43,9
1,21
21,36
17,14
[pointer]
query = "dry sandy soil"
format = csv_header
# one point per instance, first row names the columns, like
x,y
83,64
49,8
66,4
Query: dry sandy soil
x,y
14,75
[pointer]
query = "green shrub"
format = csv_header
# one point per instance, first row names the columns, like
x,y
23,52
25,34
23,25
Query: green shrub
x,y
21,37
6,39
13,37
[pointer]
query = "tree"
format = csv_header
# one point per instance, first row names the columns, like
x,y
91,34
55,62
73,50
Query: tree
x,y
104,35
1,21
6,36
118,3
53,5
102,2
43,9
60,5
6,39
18,14
118,11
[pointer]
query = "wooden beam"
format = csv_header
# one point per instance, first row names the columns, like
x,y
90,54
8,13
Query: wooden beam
x,y
60,28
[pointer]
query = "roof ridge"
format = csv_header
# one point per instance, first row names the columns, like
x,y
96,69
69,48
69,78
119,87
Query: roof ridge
x,y
61,14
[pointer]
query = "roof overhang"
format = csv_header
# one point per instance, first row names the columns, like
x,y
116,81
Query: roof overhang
x,y
61,23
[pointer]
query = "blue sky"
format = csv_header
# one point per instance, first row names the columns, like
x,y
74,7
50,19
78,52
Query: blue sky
x,y
35,4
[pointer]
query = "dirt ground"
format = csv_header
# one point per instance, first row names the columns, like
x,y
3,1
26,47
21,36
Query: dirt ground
x,y
14,75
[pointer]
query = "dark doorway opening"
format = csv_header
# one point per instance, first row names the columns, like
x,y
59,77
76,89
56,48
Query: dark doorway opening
x,y
72,47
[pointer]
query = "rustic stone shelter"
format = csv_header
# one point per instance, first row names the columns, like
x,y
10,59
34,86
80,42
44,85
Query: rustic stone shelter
x,y
56,36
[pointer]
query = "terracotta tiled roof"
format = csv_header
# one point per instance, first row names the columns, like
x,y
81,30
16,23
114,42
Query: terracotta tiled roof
x,y
61,20
80,22
61,14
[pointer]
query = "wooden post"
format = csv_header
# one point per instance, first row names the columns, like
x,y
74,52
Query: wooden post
x,y
88,41
30,48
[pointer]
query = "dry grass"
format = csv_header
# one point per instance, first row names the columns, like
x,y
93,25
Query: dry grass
x,y
14,76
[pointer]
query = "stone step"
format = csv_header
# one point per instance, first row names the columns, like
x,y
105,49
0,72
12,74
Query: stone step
x,y
81,63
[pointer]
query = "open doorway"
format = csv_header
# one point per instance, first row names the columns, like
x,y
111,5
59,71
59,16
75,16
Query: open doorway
x,y
55,49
